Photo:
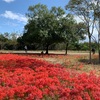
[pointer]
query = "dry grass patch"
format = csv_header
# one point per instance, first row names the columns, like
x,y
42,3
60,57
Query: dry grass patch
x,y
75,62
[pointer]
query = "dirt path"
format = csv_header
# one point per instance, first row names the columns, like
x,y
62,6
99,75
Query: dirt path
x,y
50,52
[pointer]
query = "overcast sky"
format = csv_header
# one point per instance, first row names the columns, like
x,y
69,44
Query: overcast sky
x,y
12,12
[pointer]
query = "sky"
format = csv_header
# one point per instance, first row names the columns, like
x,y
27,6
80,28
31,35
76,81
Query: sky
x,y
12,13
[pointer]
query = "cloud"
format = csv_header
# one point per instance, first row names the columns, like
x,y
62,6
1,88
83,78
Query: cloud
x,y
14,16
9,23
8,1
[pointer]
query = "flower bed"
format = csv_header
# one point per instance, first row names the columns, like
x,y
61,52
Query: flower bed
x,y
24,78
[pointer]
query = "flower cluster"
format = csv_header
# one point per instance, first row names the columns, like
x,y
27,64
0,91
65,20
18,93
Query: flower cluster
x,y
25,78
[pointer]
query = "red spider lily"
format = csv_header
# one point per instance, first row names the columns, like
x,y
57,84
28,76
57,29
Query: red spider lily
x,y
25,78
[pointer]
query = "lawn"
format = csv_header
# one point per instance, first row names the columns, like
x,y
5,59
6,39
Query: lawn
x,y
48,77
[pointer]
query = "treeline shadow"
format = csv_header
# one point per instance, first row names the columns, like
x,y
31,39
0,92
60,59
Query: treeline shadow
x,y
94,61
35,53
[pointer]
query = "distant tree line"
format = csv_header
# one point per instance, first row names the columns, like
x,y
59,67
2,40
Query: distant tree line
x,y
11,41
8,41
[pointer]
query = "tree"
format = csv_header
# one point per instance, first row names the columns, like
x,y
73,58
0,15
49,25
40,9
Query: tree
x,y
97,15
72,32
11,40
2,41
85,10
42,26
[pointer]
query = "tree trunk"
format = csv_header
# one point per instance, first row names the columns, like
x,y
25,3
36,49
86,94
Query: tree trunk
x,y
99,41
47,46
89,49
66,48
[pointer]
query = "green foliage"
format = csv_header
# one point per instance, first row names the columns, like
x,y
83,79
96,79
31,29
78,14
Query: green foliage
x,y
2,41
72,32
43,25
49,26
8,41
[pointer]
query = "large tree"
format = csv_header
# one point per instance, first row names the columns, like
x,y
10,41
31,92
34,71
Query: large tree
x,y
85,10
42,26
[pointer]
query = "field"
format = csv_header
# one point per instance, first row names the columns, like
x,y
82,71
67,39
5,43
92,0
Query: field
x,y
75,61
49,77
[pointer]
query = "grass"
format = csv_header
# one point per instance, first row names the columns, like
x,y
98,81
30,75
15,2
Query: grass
x,y
77,62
